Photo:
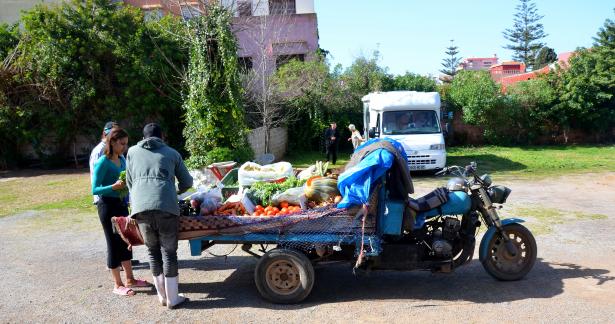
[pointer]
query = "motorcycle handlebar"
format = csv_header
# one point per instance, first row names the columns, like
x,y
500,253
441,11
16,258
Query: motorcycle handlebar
x,y
443,171
468,170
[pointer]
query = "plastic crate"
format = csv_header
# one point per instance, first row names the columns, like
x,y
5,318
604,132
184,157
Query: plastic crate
x,y
229,184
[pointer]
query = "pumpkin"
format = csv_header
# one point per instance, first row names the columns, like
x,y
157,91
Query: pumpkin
x,y
319,188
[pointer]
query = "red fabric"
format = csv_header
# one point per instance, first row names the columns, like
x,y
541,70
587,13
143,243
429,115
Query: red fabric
x,y
129,231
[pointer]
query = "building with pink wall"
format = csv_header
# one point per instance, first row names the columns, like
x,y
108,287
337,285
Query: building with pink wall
x,y
478,63
506,69
507,80
269,32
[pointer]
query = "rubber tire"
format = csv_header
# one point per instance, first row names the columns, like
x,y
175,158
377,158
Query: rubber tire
x,y
299,260
530,242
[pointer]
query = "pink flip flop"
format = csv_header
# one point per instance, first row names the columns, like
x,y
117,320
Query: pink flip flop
x,y
123,291
138,283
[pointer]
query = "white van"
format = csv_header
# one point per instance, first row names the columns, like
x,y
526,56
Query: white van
x,y
411,118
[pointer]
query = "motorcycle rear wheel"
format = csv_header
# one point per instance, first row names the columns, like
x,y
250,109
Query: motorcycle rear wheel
x,y
502,265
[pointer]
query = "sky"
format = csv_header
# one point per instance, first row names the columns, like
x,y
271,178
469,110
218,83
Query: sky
x,y
412,35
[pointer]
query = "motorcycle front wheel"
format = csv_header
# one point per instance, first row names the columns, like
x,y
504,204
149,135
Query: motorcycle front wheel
x,y
500,264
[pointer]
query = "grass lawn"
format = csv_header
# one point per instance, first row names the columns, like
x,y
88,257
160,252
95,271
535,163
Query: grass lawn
x,y
513,161
535,160
46,191
305,159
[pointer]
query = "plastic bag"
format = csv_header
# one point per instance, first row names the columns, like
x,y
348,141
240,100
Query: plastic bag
x,y
251,172
293,196
244,200
307,173
206,201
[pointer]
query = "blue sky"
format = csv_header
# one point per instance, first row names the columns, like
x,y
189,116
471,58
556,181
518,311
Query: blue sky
x,y
412,35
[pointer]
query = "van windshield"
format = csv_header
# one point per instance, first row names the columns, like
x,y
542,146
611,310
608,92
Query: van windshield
x,y
410,122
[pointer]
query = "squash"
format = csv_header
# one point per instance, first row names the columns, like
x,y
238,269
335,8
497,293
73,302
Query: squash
x,y
319,188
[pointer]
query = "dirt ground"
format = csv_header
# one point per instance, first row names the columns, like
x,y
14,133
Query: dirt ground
x,y
54,271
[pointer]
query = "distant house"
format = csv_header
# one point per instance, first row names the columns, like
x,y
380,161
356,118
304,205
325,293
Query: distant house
x,y
506,69
269,33
562,61
478,63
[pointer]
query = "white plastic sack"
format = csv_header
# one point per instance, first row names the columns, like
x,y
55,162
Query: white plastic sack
x,y
307,173
251,172
293,196
203,178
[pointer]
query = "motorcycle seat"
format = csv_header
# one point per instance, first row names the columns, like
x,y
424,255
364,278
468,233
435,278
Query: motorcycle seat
x,y
432,200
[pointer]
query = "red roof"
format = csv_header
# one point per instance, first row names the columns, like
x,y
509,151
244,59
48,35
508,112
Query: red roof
x,y
564,57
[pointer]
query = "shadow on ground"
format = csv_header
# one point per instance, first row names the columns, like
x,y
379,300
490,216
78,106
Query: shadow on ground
x,y
486,163
471,284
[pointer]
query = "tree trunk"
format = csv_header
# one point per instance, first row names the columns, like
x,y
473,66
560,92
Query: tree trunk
x,y
75,154
267,139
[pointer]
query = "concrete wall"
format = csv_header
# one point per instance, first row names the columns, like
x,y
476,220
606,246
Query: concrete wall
x,y
277,145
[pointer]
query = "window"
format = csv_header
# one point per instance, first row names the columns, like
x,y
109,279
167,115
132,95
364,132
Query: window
x,y
283,59
153,14
245,64
244,8
410,122
189,12
281,7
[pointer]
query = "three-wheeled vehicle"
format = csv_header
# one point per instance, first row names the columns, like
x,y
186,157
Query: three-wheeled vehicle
x,y
384,232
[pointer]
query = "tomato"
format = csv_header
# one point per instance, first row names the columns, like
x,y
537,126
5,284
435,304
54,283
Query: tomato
x,y
284,209
258,207
270,213
268,208
283,212
284,204
275,209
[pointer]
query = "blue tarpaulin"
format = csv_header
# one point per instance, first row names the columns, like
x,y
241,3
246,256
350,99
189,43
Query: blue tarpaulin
x,y
355,183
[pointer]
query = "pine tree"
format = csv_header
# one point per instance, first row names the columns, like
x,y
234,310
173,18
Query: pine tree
x,y
451,62
526,33
545,56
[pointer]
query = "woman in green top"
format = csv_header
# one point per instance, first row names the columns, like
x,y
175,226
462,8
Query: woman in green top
x,y
106,184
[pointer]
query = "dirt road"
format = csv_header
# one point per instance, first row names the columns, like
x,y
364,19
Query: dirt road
x,y
54,271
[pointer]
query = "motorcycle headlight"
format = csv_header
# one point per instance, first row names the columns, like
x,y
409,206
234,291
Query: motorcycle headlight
x,y
437,147
498,194
486,179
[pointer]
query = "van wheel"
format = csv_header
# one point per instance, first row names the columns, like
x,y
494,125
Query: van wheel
x,y
284,276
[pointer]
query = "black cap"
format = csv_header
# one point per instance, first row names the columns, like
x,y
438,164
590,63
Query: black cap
x,y
108,126
152,130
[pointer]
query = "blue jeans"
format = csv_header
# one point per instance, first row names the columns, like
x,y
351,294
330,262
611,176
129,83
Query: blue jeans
x,y
159,230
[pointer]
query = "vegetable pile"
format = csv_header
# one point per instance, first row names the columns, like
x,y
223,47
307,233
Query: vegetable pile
x,y
123,192
261,192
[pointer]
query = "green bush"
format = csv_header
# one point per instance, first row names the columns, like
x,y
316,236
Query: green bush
x,y
81,63
214,112
221,154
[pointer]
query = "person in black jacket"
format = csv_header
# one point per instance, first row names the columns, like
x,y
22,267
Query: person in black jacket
x,y
331,140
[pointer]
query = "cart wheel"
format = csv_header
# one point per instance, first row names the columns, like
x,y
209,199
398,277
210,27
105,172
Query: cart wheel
x,y
284,276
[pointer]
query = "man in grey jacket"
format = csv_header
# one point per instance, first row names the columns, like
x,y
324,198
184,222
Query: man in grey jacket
x,y
151,169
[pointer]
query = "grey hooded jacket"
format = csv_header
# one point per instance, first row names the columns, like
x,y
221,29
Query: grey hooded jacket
x,y
151,169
